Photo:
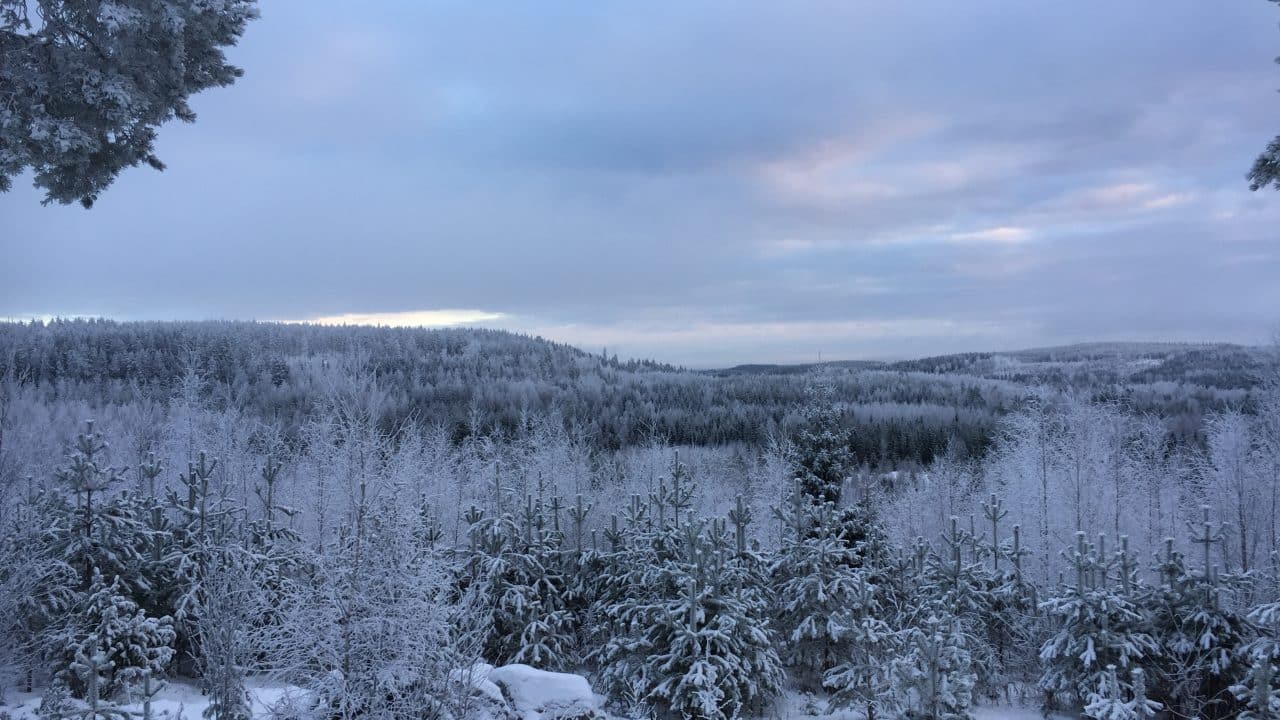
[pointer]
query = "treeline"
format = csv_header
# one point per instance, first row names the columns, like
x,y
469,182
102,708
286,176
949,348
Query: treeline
x,y
481,381
484,381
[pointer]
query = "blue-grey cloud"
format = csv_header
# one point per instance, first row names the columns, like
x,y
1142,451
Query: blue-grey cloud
x,y
706,183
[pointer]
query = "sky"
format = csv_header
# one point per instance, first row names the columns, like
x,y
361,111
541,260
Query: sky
x,y
705,183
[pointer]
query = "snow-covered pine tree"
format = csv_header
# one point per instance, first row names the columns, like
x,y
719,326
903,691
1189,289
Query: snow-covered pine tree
x,y
582,565
1112,702
627,575
959,579
694,641
202,527
977,577
274,551
106,625
99,530
92,668
1258,690
1200,635
933,673
519,564
822,456
826,578
38,587
92,548
226,608
703,648
860,676
821,588
1098,625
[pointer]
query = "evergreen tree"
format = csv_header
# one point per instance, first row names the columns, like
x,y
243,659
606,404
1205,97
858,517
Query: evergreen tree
x,y
1200,636
1098,626
107,627
823,592
97,530
368,630
822,451
867,641
1258,691
934,674
89,86
1112,702
90,574
695,641
224,614
519,565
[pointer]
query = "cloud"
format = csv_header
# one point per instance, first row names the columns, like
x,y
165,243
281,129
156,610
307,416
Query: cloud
x,y
1002,235
408,318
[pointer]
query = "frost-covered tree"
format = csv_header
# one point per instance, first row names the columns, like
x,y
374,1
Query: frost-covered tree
x,y
225,610
1099,625
519,563
1259,690
88,564
1266,168
702,648
87,83
866,641
979,581
822,453
689,617
826,601
370,630
106,625
933,672
1235,485
1199,632
202,527
1113,702
93,528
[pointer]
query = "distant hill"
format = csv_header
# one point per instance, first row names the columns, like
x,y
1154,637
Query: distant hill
x,y
1214,365
799,369
473,380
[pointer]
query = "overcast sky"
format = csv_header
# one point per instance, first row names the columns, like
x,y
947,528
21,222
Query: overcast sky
x,y
705,183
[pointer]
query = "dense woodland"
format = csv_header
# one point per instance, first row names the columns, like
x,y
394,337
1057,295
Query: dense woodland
x,y
367,514
492,382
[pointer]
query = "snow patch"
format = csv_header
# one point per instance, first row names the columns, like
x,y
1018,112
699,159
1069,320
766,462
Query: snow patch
x,y
542,695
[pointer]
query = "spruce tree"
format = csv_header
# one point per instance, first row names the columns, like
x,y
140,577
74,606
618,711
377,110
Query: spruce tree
x,y
693,640
820,583
1099,625
108,627
1258,690
934,671
94,528
1200,635
1111,701
88,608
519,564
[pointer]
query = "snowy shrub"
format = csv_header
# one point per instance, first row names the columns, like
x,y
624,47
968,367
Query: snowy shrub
x,y
1112,702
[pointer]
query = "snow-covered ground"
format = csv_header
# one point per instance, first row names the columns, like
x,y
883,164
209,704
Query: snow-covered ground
x,y
177,699
535,690
795,705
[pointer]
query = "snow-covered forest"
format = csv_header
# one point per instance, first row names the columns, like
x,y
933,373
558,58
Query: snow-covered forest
x,y
353,522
